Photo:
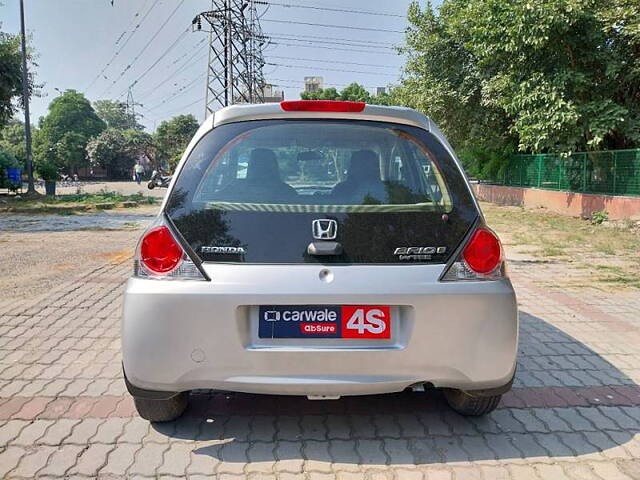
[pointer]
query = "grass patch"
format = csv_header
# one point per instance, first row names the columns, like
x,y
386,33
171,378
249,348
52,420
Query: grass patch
x,y
73,203
605,248
89,199
551,251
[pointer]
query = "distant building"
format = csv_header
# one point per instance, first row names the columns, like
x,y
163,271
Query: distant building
x,y
313,84
380,91
271,94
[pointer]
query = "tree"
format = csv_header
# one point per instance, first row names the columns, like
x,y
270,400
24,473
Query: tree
x,y
353,92
66,130
12,140
118,150
11,76
321,94
115,115
7,160
173,136
550,75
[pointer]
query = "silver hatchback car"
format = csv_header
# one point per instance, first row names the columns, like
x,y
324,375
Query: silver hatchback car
x,y
318,248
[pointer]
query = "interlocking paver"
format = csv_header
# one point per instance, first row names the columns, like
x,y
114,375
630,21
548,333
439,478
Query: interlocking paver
x,y
32,432
10,429
233,458
176,459
58,431
119,460
9,459
83,431
289,457
61,461
32,462
109,430
148,459
317,456
91,460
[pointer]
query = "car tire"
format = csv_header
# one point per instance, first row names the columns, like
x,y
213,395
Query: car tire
x,y
162,410
468,404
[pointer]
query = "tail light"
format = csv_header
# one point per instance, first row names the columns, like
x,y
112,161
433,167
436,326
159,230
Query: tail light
x,y
159,251
160,256
321,106
481,259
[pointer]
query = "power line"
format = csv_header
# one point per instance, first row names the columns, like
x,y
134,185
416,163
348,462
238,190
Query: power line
x,y
180,69
333,62
135,59
328,25
328,9
118,50
305,36
164,54
301,83
333,69
184,107
179,92
332,48
329,42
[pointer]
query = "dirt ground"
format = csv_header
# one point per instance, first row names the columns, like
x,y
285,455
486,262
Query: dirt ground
x,y
32,262
606,255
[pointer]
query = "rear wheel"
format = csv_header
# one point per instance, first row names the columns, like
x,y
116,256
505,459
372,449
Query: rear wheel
x,y
466,403
151,185
162,410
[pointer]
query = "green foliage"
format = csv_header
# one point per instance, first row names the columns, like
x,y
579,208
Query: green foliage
x,y
485,163
7,160
118,150
101,197
173,136
321,94
352,93
598,217
11,76
115,115
65,132
548,75
12,140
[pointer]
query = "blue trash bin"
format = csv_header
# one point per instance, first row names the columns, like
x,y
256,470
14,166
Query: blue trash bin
x,y
14,177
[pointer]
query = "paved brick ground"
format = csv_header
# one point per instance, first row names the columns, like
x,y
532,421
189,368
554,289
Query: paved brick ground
x,y
574,411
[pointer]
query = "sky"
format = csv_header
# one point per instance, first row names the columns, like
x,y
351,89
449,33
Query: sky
x,y
75,40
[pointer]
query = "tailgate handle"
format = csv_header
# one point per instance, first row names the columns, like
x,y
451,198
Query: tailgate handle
x,y
324,248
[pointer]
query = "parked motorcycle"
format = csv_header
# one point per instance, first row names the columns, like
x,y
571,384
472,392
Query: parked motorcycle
x,y
158,179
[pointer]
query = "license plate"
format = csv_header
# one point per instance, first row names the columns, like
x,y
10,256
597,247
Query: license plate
x,y
324,321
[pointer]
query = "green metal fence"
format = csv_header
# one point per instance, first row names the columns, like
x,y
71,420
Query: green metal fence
x,y
615,172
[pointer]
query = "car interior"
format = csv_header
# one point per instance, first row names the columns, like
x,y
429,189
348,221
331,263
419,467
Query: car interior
x,y
336,167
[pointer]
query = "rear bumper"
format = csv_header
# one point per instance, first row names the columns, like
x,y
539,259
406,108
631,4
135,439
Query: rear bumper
x,y
183,335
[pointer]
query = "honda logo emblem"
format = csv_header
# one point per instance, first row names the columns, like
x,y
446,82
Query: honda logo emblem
x,y
324,229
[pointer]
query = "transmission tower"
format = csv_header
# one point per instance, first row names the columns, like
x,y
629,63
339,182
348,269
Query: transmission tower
x,y
131,109
236,43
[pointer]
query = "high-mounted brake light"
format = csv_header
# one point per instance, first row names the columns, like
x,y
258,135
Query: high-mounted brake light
x,y
321,106
159,251
483,252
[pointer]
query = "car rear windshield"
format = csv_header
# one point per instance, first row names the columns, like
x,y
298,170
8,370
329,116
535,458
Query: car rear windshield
x,y
319,167
297,166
